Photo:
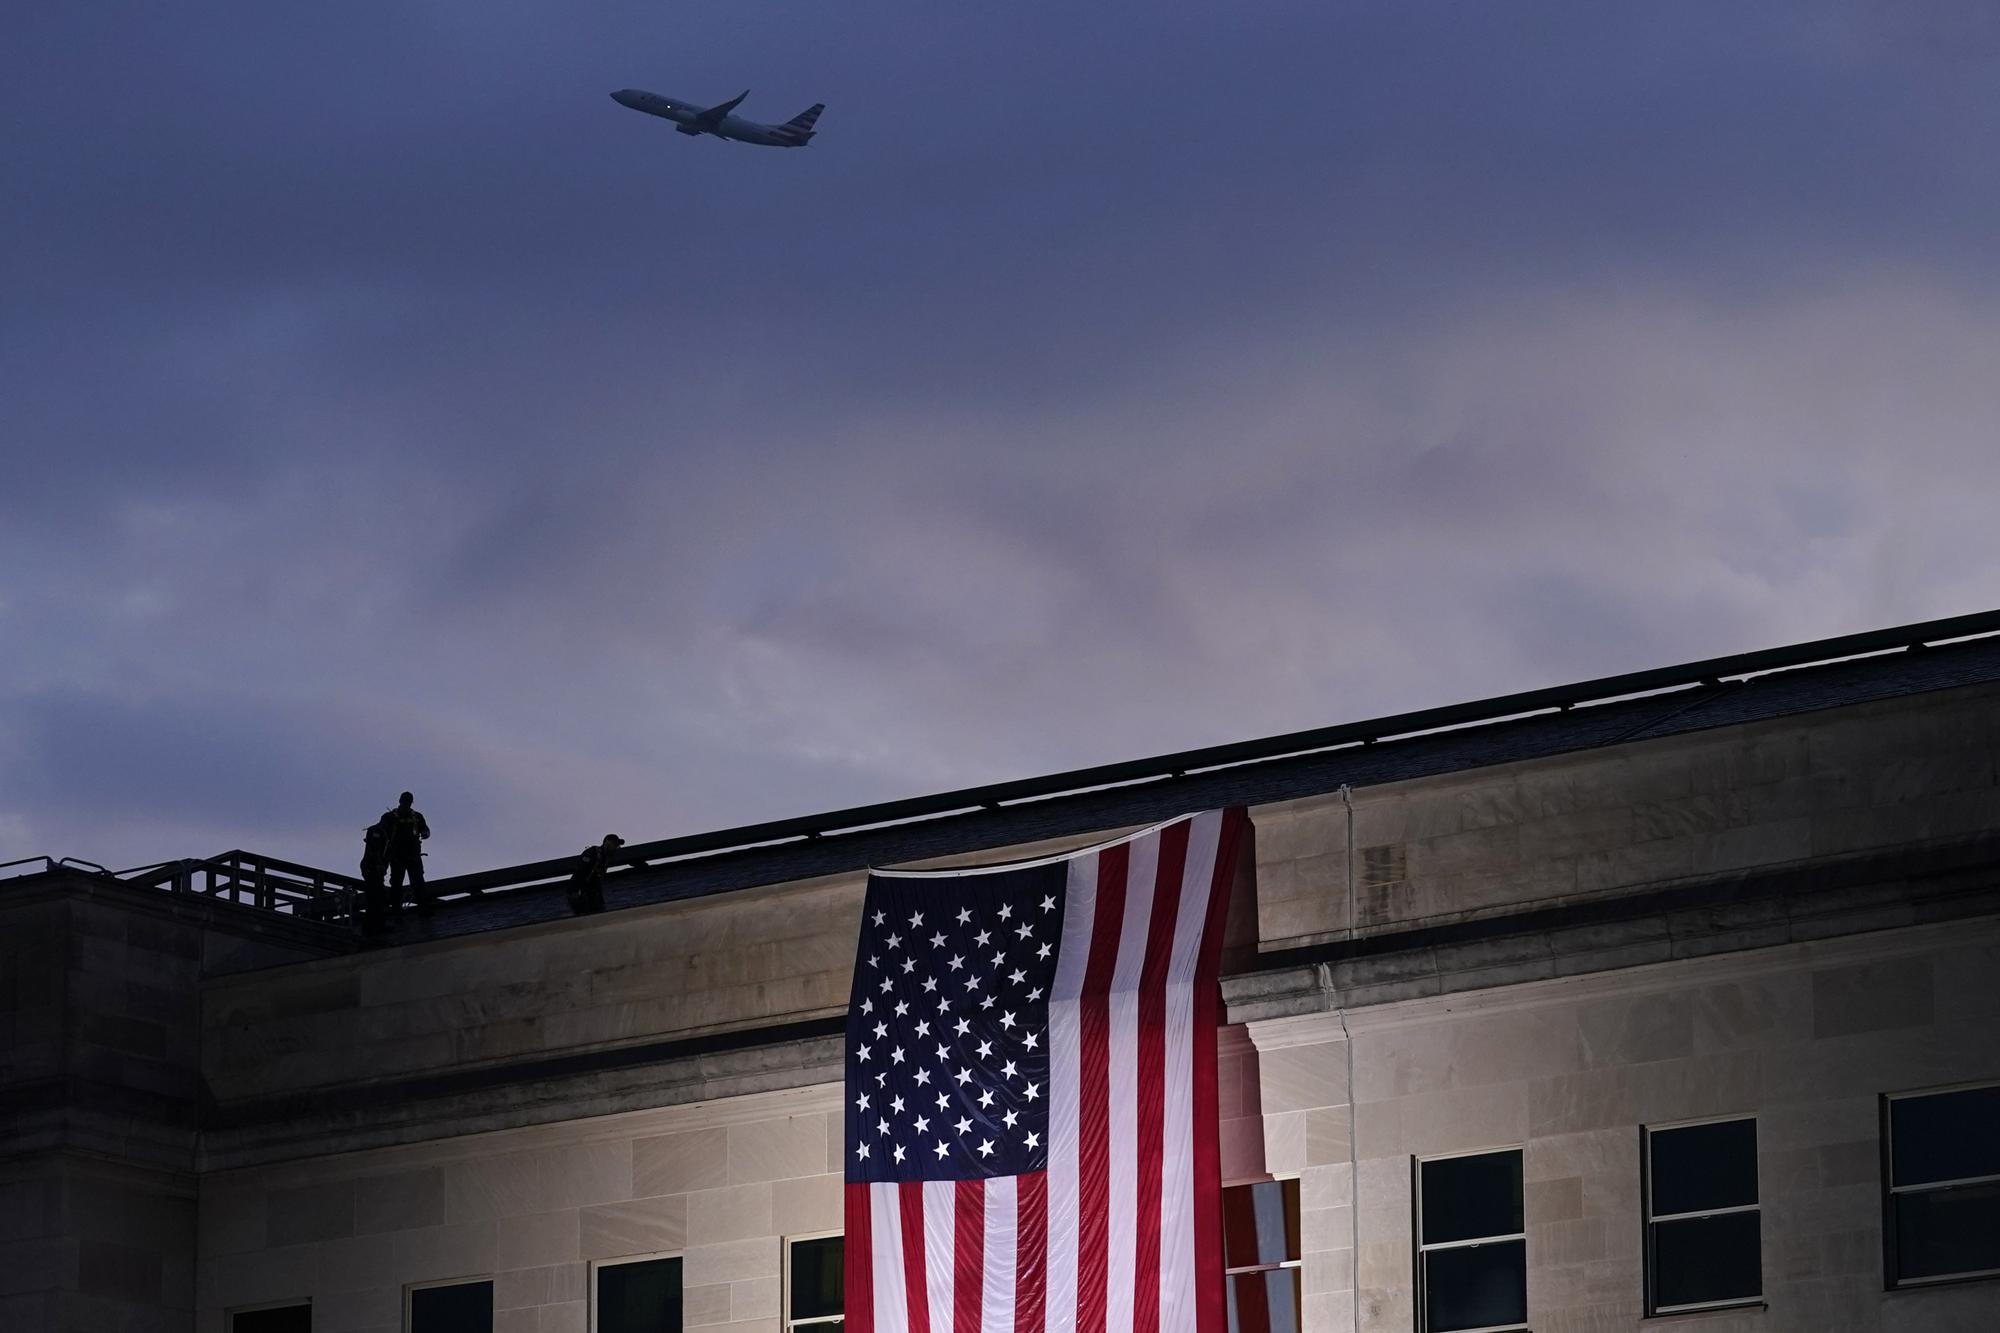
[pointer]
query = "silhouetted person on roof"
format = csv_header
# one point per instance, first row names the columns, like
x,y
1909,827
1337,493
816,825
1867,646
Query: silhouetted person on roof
x,y
407,831
374,865
586,883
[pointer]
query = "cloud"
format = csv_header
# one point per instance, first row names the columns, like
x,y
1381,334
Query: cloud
x,y
391,409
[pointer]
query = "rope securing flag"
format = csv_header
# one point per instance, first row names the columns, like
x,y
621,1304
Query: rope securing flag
x,y
1031,1139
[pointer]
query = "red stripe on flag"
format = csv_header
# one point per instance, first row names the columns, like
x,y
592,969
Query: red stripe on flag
x,y
1253,1303
1211,1312
858,1258
1152,1073
1094,1090
1031,1238
916,1288
968,1253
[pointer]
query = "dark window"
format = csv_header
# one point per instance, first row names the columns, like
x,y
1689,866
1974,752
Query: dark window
x,y
1943,1186
1472,1247
462,1307
1704,1241
273,1319
1261,1256
639,1296
813,1284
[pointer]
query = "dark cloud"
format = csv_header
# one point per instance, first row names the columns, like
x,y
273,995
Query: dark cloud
x,y
385,407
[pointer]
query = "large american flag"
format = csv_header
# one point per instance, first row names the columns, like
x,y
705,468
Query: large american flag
x,y
1031,1092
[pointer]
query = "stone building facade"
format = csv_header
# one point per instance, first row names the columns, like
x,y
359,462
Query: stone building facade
x,y
1540,945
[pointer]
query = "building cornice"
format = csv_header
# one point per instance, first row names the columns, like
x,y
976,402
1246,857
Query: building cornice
x,y
1318,1028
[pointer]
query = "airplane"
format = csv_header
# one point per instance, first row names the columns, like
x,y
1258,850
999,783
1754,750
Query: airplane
x,y
717,120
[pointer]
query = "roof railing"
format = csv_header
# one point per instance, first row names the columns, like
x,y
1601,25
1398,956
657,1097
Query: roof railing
x,y
247,879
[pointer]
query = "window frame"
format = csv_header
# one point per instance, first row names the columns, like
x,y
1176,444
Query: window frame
x,y
411,1288
1647,1218
614,1261
1419,1297
1892,1279
254,1307
785,1321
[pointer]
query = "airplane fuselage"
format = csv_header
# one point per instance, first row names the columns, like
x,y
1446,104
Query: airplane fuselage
x,y
693,118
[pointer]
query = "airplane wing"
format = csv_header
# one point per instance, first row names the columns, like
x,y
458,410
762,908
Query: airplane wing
x,y
711,119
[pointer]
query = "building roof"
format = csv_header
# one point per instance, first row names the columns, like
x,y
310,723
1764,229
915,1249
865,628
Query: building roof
x,y
1669,701
1855,669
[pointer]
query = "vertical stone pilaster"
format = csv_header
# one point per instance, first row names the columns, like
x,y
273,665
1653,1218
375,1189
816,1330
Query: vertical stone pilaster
x,y
1304,1108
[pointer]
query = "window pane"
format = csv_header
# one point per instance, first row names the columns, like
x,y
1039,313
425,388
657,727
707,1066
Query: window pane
x,y
1260,1223
1947,1136
1476,1286
282,1319
641,1297
1465,1198
816,1277
1949,1230
1703,1167
1703,1259
466,1307
1266,1302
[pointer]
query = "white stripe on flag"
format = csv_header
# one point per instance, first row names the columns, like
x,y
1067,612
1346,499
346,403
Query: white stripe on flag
x,y
1123,1107
940,1241
1177,1302
885,1225
996,1302
1204,831
1065,1052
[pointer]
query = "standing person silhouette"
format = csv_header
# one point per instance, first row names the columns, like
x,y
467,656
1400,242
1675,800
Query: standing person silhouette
x,y
407,831
586,883
374,865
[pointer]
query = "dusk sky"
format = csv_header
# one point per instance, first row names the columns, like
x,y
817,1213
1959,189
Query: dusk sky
x,y
382,406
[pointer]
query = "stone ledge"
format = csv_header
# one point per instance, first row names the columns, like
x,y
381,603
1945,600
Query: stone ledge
x,y
517,1095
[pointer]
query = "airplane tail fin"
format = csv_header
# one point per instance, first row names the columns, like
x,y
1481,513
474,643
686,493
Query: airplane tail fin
x,y
803,122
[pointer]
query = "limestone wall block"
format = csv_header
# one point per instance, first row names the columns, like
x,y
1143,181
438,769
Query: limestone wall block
x,y
641,1226
777,1149
1482,850
353,1264
1972,1306
756,1298
1460,1119
1284,1142
1295,1078
704,1305
1299,831
361,1308
1242,1148
586,1173
1328,1135
1650,862
1873,997
734,1261
1635,1031
680,1163
807,1204
564,1317
399,1200
309,1213
460,1249
735,1212
500,1185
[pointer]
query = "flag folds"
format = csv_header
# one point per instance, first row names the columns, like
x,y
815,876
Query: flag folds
x,y
1031,1092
